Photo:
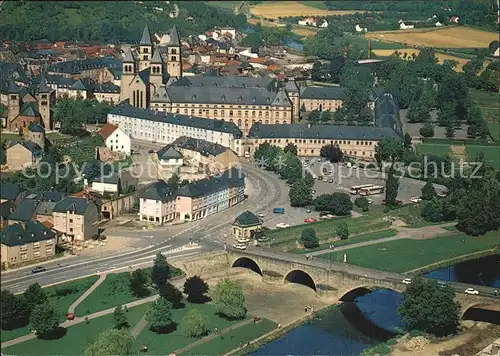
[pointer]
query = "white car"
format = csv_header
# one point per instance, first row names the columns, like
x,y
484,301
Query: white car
x,y
261,215
282,226
406,281
415,199
240,246
308,211
471,291
243,240
370,201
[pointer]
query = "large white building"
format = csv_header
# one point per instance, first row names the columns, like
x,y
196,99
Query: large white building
x,y
160,127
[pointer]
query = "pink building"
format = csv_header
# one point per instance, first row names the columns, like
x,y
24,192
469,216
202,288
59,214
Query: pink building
x,y
157,203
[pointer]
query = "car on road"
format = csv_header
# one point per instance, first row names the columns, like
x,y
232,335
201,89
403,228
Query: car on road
x,y
309,220
471,291
415,199
319,160
261,215
320,177
308,211
406,281
38,269
279,210
151,151
330,180
313,191
240,246
370,201
282,226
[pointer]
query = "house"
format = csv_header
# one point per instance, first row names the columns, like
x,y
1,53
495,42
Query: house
x,y
7,207
22,155
245,225
25,243
116,139
13,193
309,21
360,29
209,157
210,195
324,24
26,211
169,157
403,26
76,218
157,204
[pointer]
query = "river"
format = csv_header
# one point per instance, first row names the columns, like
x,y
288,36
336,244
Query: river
x,y
346,330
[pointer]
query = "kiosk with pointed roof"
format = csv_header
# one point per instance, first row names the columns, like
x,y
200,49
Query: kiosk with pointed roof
x,y
245,225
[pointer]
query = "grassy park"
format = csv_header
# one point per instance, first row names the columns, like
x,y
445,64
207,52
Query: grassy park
x,y
406,255
76,338
61,296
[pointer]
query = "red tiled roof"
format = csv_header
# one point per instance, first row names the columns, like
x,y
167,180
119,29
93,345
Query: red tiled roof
x,y
107,130
260,60
48,224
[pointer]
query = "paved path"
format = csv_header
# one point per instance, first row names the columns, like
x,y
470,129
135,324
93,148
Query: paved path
x,y
139,327
96,284
402,233
212,336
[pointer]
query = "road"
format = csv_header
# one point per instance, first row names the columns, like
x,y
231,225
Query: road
x,y
268,193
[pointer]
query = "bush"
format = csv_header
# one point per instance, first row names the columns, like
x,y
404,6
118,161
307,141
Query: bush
x,y
308,238
362,203
415,333
194,324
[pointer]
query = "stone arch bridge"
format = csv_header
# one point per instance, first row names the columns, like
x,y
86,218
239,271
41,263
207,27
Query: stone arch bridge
x,y
336,280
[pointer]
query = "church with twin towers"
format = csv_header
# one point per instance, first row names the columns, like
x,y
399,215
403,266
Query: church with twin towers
x,y
145,74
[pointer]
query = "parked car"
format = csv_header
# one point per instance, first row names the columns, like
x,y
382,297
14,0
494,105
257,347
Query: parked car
x,y
279,210
320,177
263,239
370,201
309,220
406,281
330,180
308,211
319,160
38,269
415,199
240,246
313,191
471,291
261,215
282,226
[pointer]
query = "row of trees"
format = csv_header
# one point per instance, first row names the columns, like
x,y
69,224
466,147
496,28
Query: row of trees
x,y
74,114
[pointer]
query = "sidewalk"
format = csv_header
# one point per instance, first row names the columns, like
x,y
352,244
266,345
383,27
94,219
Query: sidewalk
x,y
360,244
96,284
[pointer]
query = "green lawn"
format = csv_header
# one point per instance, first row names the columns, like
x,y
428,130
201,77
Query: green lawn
x,y
406,255
76,338
233,339
223,4
485,98
60,301
7,136
491,154
164,344
490,105
352,240
112,292
434,148
491,115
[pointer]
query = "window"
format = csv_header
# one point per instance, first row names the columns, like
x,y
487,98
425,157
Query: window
x,y
146,50
24,247
36,254
172,58
48,242
36,244
24,256
70,220
48,251
70,229
173,51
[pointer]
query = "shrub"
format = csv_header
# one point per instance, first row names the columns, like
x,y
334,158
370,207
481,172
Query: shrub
x,y
308,238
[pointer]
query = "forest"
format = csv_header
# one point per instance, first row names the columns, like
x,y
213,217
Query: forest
x,y
107,21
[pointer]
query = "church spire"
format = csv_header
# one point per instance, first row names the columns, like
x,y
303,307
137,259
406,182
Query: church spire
x,y
146,37
174,37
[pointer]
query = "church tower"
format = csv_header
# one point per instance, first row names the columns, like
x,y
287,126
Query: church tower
x,y
174,58
13,104
156,74
46,98
145,49
128,73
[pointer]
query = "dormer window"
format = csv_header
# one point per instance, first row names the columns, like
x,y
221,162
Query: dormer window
x,y
240,99
268,100
223,98
254,100
194,97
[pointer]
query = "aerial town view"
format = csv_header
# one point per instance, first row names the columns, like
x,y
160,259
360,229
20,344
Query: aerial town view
x,y
250,178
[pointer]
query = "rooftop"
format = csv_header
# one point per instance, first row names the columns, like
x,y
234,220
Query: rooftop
x,y
159,190
230,178
247,218
205,148
76,205
17,234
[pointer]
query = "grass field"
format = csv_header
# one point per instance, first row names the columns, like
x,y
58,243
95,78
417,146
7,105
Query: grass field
x,y
223,4
450,37
491,154
76,338
440,56
164,344
304,31
275,9
434,148
490,104
351,240
233,339
405,255
61,303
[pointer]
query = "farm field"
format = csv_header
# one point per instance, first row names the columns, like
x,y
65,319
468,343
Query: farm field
x,y
293,8
406,255
440,56
304,31
451,37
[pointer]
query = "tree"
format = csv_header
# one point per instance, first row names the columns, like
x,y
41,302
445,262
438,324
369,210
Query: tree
x,y
44,319
332,152
196,289
160,271
431,308
493,46
229,300
15,311
428,191
362,203
308,238
427,130
450,131
120,319
194,324
300,194
388,150
342,231
159,315
174,181
291,148
431,210
336,203
111,342
34,295
137,283
171,293
391,188
407,141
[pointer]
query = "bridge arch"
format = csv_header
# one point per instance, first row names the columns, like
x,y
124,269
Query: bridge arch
x,y
300,277
351,293
482,311
247,262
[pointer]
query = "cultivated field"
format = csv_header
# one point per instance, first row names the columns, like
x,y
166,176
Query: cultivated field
x,y
293,8
450,37
440,56
304,31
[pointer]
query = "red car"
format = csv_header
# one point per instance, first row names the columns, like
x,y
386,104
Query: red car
x,y
309,220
